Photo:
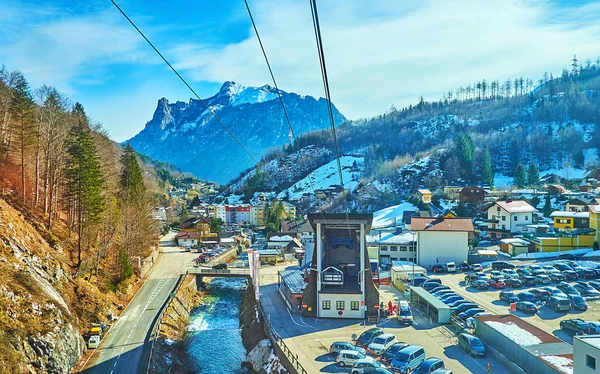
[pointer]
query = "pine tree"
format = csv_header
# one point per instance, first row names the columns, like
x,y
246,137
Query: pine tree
x,y
465,152
84,178
520,176
533,174
488,172
547,209
22,112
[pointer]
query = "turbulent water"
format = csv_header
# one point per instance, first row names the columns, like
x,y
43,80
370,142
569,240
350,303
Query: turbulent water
x,y
215,339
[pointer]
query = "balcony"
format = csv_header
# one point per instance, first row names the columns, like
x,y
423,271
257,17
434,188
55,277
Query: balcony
x,y
332,276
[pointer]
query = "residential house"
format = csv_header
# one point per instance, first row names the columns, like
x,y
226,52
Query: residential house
x,y
570,220
425,196
471,194
393,246
442,240
555,189
595,221
257,214
579,204
242,213
340,282
302,227
509,217
187,238
452,192
407,216
221,212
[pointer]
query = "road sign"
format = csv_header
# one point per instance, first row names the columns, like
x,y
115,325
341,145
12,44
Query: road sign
x,y
362,302
513,307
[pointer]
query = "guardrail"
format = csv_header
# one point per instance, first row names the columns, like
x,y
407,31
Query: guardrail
x,y
280,344
209,271
156,325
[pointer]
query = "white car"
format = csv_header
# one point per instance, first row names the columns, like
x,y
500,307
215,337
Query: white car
x,y
477,267
348,358
510,274
382,342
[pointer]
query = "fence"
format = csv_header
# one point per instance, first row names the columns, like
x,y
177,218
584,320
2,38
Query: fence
x,y
153,334
289,359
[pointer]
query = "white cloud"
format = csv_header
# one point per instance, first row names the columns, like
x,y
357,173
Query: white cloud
x,y
393,53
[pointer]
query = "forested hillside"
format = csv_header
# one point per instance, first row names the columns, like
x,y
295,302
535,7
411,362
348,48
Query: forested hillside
x,y
551,123
86,201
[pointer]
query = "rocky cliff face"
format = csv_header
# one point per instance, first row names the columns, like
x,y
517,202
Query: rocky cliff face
x,y
38,326
188,136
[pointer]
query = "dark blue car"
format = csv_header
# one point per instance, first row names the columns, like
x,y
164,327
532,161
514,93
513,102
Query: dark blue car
x,y
526,296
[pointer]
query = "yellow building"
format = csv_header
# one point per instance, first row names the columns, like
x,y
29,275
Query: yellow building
x,y
425,196
570,220
595,220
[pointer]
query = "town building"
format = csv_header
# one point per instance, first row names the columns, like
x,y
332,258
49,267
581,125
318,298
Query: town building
x,y
425,196
586,354
393,246
570,220
471,194
441,240
509,217
340,283
452,192
514,246
185,239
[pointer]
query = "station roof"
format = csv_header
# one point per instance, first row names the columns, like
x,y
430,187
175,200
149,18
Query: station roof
x,y
293,279
429,298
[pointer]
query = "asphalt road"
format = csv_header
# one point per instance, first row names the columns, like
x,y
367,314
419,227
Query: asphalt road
x,y
126,348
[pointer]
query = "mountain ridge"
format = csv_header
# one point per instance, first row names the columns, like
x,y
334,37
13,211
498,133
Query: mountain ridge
x,y
189,137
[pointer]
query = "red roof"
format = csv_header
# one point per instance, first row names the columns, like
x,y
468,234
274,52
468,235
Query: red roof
x,y
441,224
188,235
516,206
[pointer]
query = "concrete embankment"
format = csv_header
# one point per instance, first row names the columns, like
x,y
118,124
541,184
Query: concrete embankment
x,y
169,355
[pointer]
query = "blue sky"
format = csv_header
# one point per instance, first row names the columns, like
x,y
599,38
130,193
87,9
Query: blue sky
x,y
378,53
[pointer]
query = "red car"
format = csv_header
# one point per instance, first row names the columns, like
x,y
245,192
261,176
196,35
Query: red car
x,y
498,284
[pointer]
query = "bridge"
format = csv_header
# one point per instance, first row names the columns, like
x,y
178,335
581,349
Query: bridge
x,y
220,273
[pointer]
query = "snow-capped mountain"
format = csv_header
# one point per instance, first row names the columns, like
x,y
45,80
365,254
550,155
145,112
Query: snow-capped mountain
x,y
189,137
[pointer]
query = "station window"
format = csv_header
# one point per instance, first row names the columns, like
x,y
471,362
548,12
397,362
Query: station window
x,y
590,362
394,248
516,218
403,249
340,305
354,305
394,258
326,304
504,218
411,248
384,247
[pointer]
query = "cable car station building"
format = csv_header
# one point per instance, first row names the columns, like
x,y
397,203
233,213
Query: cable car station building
x,y
340,283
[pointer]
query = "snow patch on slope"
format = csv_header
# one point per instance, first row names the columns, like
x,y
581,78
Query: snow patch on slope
x,y
386,216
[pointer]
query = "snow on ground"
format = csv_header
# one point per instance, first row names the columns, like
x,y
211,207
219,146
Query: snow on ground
x,y
502,181
568,173
590,156
515,333
447,204
327,175
537,255
563,364
385,216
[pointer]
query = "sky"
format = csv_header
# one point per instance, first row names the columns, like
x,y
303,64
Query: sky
x,y
378,53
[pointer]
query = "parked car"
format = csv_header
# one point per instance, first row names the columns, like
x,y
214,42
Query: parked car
x,y
438,288
458,303
586,290
389,354
451,267
496,283
567,289
508,296
562,266
567,256
499,265
470,322
429,366
381,343
589,274
559,304
527,307
510,273
595,284
524,272
548,268
495,274
542,279
526,296
480,285
452,299
367,362
349,358
555,291
570,275
471,344
337,347
579,270
556,276
470,313
578,303
464,267
367,336
437,268
513,283
418,282
441,293
535,268
408,359
370,370
221,266
470,278
431,284
477,267
464,307
540,295
528,280
575,326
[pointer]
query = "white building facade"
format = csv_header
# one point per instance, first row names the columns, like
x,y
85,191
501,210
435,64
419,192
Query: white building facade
x,y
442,240
509,217
586,354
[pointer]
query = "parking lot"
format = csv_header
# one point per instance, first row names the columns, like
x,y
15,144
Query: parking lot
x,y
546,318
311,338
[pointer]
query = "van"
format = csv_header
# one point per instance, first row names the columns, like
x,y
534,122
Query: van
x,y
94,341
451,267
408,358
559,304
347,357
404,313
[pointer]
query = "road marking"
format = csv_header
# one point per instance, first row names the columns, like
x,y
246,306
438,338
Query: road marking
x,y
293,320
115,365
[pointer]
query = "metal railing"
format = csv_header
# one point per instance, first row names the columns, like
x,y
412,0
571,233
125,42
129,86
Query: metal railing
x,y
276,340
153,334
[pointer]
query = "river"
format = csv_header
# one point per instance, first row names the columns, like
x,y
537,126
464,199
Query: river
x,y
215,339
